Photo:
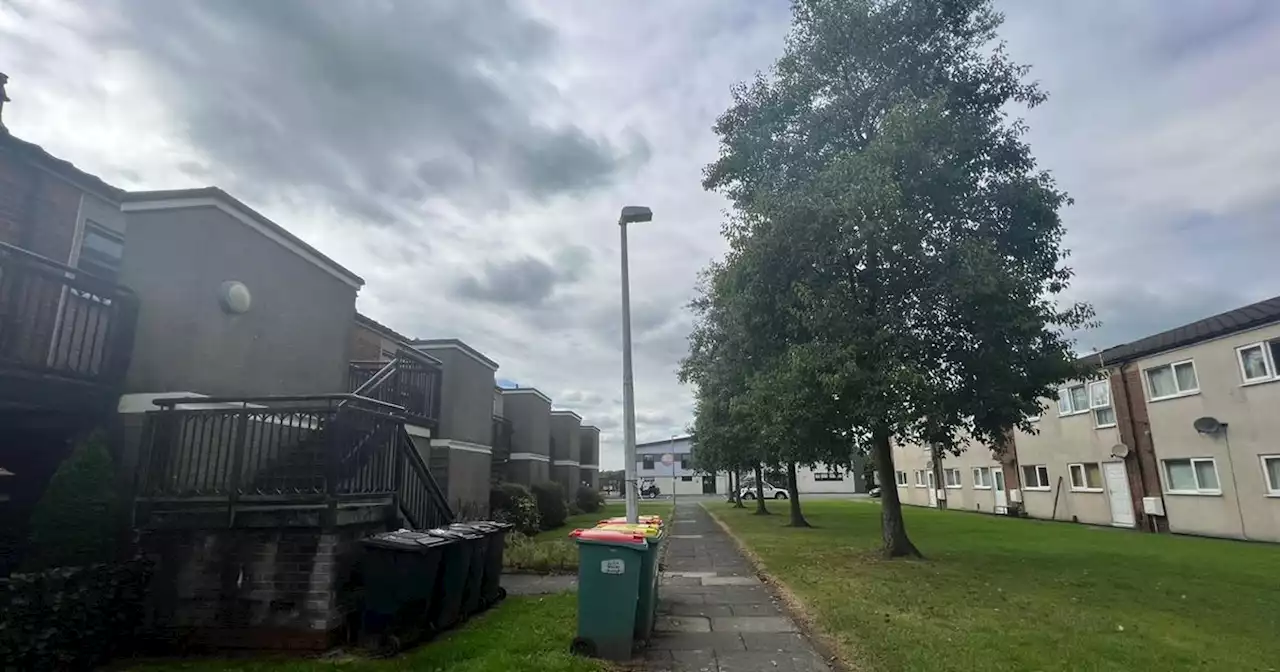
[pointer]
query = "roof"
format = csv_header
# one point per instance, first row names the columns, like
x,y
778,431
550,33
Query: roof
x,y
1233,321
65,169
217,197
454,344
376,326
527,390
592,428
567,413
665,442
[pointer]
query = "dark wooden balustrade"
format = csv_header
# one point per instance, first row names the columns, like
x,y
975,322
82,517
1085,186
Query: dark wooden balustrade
x,y
57,322
409,383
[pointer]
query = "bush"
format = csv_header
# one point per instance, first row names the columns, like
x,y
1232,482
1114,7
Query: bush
x,y
551,504
513,503
550,556
76,521
588,499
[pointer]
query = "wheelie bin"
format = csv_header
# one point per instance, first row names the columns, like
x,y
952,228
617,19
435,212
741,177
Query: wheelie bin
x,y
491,590
610,572
643,520
400,570
647,607
455,571
473,543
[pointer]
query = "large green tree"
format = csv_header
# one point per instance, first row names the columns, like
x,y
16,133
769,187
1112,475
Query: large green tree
x,y
892,213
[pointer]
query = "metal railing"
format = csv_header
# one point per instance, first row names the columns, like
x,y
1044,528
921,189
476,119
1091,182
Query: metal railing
x,y
288,450
405,382
55,319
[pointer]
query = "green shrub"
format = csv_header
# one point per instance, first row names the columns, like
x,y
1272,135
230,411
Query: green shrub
x,y
551,504
513,503
588,499
76,521
550,556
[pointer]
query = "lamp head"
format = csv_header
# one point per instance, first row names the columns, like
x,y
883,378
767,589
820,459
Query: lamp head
x,y
632,214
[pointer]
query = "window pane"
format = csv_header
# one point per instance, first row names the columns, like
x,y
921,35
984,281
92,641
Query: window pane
x,y
1275,353
1254,362
1079,399
1093,475
1186,374
1099,395
1043,473
1104,417
1029,477
977,477
1077,476
1273,473
1161,382
1064,402
1180,474
1207,473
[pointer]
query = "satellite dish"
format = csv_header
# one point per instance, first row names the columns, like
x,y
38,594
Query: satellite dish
x,y
1207,425
1120,450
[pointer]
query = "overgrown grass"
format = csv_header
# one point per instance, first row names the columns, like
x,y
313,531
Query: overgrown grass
x,y
552,552
523,633
1005,594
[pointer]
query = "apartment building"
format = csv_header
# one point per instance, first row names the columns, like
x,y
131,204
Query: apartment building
x,y
1177,432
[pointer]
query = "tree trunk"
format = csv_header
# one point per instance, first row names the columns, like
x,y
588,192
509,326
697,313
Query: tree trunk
x,y
892,527
760,507
735,494
793,493
936,466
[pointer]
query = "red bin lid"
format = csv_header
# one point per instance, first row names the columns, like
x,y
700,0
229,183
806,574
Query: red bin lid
x,y
609,537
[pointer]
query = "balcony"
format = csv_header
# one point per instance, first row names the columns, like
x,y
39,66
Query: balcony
x,y
411,384
65,336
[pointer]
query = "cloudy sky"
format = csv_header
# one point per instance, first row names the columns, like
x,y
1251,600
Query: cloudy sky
x,y
468,159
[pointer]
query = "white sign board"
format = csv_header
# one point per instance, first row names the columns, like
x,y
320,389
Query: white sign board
x,y
613,566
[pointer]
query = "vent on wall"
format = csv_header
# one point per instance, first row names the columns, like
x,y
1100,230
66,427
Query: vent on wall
x,y
1153,506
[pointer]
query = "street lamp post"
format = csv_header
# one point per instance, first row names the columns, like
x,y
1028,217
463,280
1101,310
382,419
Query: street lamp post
x,y
631,214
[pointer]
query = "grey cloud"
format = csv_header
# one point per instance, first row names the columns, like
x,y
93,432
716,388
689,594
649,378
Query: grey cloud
x,y
376,105
525,281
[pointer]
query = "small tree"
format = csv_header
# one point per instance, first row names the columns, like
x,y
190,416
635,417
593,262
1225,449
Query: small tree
x,y
76,522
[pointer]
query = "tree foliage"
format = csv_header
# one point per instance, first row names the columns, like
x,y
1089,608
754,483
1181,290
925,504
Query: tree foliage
x,y
77,520
895,265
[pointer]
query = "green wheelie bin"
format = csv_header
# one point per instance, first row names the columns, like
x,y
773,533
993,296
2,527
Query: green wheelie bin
x,y
473,540
610,569
400,570
647,607
455,571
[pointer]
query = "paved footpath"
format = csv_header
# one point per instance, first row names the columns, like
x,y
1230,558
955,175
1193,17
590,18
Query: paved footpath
x,y
714,615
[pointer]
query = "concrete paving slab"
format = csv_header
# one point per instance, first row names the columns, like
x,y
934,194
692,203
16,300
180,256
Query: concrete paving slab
x,y
730,581
753,624
708,610
672,623
776,641
697,641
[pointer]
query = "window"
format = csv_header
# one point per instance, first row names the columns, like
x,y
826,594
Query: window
x,y
951,477
828,476
920,478
677,460
1035,477
686,479
1100,402
982,478
1271,473
646,462
101,250
1172,380
1086,477
1072,400
1258,361
902,478
1195,476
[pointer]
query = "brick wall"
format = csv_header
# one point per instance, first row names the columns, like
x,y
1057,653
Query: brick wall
x,y
1135,432
287,588
37,209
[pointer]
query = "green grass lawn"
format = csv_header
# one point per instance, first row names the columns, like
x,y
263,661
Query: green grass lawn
x,y
522,633
1005,594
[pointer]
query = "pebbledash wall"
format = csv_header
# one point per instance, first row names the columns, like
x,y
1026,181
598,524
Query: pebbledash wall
x,y
1123,449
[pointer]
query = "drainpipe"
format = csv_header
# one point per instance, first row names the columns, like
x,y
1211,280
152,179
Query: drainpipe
x,y
1134,429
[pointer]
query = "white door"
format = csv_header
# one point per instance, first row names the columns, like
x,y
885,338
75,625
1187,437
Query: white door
x,y
1002,498
1117,478
933,490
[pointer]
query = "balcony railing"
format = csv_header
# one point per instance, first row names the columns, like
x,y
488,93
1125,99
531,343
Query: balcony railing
x,y
502,430
57,320
404,382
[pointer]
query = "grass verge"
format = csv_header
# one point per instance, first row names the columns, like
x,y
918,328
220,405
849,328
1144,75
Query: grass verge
x,y
1004,594
530,634
552,552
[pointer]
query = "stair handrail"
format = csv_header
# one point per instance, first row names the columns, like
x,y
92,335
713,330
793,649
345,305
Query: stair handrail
x,y
435,494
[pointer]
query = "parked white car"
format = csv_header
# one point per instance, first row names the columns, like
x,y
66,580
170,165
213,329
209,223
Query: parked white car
x,y
770,492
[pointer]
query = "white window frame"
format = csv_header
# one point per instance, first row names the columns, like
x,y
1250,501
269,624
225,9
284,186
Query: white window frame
x,y
1268,361
1146,380
1084,477
921,482
1273,489
900,477
1039,469
977,478
1094,408
1064,394
1168,489
946,480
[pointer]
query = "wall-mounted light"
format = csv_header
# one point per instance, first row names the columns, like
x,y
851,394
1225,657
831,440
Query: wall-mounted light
x,y
234,297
